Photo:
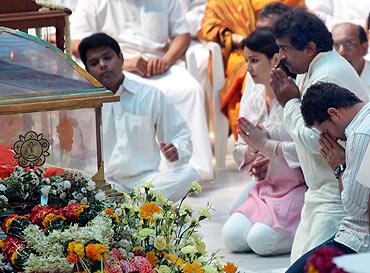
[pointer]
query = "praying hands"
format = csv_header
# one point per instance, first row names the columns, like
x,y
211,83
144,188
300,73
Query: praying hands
x,y
284,87
251,134
331,150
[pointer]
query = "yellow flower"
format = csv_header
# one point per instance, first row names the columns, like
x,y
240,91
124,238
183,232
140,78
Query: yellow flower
x,y
1,244
14,257
50,218
160,243
76,248
192,268
230,268
150,256
312,269
81,209
176,260
115,216
148,209
195,186
204,213
95,252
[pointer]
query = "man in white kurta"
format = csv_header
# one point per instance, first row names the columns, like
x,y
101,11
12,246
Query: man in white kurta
x,y
350,40
138,127
143,30
323,209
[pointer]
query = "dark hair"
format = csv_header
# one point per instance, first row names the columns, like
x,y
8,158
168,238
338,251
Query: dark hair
x,y
95,41
362,35
261,40
320,97
302,27
273,8
368,22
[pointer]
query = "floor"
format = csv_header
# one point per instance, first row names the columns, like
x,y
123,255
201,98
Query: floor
x,y
222,193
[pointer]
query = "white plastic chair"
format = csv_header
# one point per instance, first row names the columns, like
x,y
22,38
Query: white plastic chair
x,y
220,123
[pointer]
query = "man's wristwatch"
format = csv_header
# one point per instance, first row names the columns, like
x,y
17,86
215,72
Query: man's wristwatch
x,y
338,170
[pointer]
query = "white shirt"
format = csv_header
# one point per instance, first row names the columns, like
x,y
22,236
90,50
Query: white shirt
x,y
354,228
194,13
365,76
134,127
323,209
339,11
141,27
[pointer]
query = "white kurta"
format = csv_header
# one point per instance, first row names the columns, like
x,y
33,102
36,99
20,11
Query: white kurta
x,y
144,28
365,76
323,209
132,130
194,13
340,11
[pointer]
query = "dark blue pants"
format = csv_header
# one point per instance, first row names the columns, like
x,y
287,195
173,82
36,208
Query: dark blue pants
x,y
298,266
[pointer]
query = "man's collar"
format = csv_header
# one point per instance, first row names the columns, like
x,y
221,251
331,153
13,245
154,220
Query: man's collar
x,y
126,88
352,125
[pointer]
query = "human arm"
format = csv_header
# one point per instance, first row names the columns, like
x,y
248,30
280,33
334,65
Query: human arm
x,y
354,195
83,23
171,128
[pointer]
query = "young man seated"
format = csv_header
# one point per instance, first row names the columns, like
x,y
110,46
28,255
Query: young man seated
x,y
138,127
339,114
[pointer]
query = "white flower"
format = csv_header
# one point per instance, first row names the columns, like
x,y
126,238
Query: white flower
x,y
146,232
164,269
158,216
2,187
90,184
205,213
66,184
196,187
189,250
3,199
100,196
84,200
147,184
117,211
45,190
83,190
62,195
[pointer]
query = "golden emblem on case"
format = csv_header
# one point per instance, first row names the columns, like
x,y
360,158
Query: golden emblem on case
x,y
31,149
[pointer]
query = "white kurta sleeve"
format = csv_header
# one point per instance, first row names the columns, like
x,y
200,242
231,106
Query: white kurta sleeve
x,y
290,154
172,128
297,129
177,22
83,22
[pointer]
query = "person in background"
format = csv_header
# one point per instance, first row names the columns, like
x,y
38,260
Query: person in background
x,y
227,22
138,127
338,114
266,220
351,42
153,36
306,46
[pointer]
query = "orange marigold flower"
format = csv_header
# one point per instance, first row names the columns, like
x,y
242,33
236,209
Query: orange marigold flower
x,y
174,259
148,209
110,212
230,268
81,209
1,244
95,252
14,257
150,256
72,257
192,268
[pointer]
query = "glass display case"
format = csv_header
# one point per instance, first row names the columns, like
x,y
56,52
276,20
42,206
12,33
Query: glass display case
x,y
47,99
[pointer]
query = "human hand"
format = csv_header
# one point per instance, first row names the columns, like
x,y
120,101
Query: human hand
x,y
137,65
169,151
156,66
259,168
284,87
253,135
331,150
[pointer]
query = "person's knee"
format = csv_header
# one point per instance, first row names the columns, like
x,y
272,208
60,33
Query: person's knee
x,y
233,234
262,239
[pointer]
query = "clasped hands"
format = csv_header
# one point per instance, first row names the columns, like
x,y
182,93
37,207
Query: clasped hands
x,y
283,86
169,151
331,150
146,68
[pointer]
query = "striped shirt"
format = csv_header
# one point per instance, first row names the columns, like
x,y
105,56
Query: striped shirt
x,y
354,227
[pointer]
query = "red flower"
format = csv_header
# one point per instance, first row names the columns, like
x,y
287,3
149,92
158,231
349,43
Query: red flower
x,y
322,261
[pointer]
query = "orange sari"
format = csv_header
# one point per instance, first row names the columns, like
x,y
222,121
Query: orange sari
x,y
223,18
